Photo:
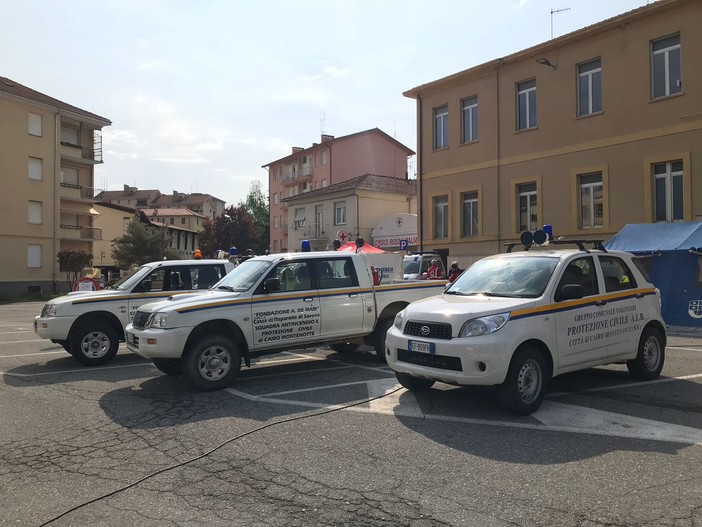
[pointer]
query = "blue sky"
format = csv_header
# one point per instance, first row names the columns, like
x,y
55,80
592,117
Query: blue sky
x,y
201,94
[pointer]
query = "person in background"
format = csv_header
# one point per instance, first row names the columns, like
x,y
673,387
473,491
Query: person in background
x,y
434,272
454,271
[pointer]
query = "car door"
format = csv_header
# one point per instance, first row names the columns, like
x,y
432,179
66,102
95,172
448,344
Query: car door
x,y
340,297
581,324
160,283
627,307
291,315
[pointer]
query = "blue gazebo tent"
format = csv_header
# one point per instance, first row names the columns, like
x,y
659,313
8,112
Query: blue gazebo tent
x,y
671,253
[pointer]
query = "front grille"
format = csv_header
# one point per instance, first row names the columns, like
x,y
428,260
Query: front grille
x,y
436,330
433,361
140,318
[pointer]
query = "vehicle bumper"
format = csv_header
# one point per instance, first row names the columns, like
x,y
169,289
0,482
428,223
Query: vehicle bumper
x,y
55,328
157,343
467,361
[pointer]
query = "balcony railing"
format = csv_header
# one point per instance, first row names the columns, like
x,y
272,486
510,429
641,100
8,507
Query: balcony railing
x,y
78,232
81,191
91,233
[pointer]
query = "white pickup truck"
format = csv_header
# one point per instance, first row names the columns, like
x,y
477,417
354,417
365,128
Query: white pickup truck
x,y
90,324
270,304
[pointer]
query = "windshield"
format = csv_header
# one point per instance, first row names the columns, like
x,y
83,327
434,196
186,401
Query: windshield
x,y
131,278
523,277
244,276
411,267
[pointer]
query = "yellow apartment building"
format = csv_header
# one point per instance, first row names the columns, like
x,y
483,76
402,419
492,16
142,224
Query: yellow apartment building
x,y
47,161
347,210
586,132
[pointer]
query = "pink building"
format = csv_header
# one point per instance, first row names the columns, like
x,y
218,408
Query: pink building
x,y
331,161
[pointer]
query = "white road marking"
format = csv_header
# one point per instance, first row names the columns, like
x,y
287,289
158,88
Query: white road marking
x,y
566,417
31,354
551,417
627,385
22,341
287,374
81,370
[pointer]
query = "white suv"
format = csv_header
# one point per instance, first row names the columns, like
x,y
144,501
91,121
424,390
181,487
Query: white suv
x,y
518,319
90,324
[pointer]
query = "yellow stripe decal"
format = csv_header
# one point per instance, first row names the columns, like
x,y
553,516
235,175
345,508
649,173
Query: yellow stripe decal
x,y
581,302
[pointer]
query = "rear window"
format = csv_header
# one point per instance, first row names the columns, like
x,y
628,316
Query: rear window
x,y
642,266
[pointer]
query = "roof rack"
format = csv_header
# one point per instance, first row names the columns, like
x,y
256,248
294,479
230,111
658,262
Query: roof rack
x,y
597,245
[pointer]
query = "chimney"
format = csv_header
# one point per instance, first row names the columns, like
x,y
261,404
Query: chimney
x,y
326,138
296,149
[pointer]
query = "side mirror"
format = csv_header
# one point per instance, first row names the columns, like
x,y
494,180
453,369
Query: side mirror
x,y
271,285
570,292
145,286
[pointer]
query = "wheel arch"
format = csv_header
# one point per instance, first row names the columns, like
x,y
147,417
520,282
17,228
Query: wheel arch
x,y
655,324
97,316
542,348
225,327
391,310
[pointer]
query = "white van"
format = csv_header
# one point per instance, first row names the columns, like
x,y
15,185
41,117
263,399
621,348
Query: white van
x,y
414,266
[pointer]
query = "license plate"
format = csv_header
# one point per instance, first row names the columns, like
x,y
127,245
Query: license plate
x,y
421,347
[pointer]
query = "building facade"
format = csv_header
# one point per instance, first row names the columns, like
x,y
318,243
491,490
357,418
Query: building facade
x,y
331,161
113,219
48,156
204,205
586,132
347,210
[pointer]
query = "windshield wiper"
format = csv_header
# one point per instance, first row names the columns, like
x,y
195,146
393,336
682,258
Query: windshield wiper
x,y
226,288
455,293
490,293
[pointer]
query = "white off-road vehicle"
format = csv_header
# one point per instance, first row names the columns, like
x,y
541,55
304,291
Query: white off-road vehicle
x,y
90,324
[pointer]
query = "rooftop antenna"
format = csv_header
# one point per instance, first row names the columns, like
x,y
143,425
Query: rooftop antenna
x,y
556,11
322,119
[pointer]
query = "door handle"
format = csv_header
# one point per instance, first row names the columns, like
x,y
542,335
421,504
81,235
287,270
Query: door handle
x,y
353,295
640,295
308,299
601,303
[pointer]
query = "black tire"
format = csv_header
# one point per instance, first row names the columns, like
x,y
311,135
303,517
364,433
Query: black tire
x,y
169,366
413,384
344,347
94,343
650,358
212,362
525,385
379,337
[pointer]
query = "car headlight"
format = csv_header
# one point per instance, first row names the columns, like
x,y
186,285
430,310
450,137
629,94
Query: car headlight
x,y
483,325
49,310
156,320
398,320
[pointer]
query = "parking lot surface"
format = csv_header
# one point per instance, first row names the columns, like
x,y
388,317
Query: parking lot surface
x,y
313,437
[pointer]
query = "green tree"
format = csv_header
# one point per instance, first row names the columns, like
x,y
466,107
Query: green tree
x,y
142,243
72,263
233,228
257,205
